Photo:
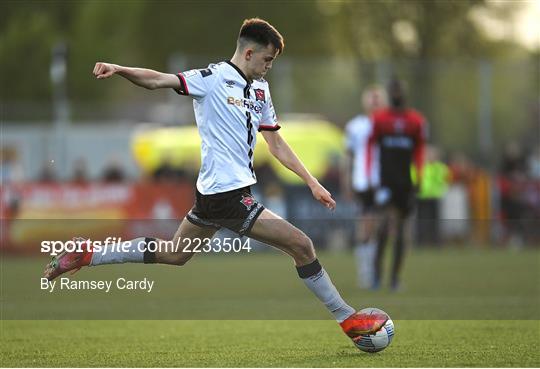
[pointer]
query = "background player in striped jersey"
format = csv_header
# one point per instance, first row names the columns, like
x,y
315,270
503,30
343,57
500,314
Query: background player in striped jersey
x,y
399,132
361,185
231,101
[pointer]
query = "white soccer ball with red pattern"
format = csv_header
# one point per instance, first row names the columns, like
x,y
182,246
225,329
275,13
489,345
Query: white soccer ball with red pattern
x,y
379,340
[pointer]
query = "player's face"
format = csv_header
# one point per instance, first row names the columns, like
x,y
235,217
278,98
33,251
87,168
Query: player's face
x,y
396,95
260,61
373,100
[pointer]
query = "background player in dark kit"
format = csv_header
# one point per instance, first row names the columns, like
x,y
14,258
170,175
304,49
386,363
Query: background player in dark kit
x,y
399,132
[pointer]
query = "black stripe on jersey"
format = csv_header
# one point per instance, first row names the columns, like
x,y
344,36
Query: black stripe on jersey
x,y
248,83
183,90
238,70
249,127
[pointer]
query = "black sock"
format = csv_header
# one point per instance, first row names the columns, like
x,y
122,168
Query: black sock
x,y
149,256
306,271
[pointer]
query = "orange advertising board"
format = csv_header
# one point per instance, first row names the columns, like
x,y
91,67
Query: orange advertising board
x,y
31,213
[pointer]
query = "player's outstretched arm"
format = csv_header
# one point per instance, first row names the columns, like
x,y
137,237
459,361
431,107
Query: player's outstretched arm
x,y
283,152
146,78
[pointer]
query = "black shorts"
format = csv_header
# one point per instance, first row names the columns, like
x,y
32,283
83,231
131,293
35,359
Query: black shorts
x,y
236,210
365,200
402,198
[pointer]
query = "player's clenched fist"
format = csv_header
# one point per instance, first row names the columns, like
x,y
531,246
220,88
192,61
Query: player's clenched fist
x,y
104,70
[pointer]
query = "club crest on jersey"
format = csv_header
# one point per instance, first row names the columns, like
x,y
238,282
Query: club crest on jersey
x,y
259,95
248,201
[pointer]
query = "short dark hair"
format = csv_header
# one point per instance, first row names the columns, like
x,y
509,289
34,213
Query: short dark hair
x,y
262,33
394,85
396,93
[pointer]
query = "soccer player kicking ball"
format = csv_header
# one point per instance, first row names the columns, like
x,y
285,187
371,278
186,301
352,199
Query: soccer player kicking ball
x,y
232,101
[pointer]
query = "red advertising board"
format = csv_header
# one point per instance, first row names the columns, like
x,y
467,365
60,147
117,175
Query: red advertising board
x,y
31,213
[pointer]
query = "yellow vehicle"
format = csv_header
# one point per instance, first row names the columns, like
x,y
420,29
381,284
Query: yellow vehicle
x,y
315,141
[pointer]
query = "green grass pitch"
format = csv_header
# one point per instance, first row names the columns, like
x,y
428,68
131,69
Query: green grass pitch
x,y
464,308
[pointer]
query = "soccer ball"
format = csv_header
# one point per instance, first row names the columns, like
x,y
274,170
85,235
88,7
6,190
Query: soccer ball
x,y
379,340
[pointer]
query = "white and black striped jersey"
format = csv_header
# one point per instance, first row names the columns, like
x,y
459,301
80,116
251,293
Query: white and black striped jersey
x,y
357,133
229,110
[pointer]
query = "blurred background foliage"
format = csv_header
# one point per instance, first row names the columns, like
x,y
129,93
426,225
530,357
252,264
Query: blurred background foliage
x,y
333,50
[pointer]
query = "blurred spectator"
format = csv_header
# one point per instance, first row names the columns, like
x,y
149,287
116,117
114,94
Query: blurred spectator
x,y
270,188
166,172
266,176
467,204
513,163
11,169
433,187
331,178
191,171
461,168
11,201
533,192
47,173
455,210
534,164
80,175
113,171
512,181
274,198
